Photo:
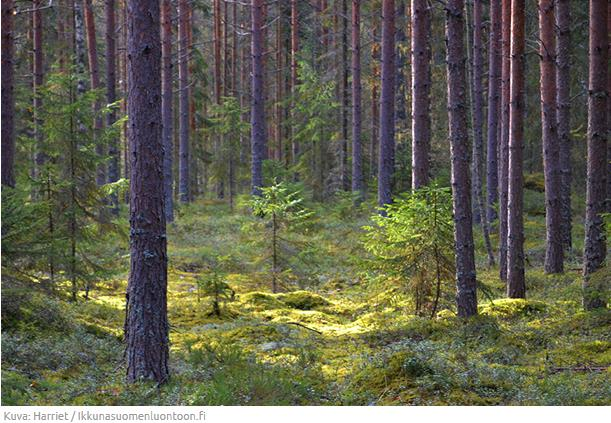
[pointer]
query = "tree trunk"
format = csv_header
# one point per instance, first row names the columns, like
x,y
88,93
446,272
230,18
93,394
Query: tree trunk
x,y
294,51
38,74
494,93
278,112
167,113
375,106
94,81
516,287
551,161
357,159
8,97
466,297
146,325
595,248
563,115
111,97
257,118
421,87
183,103
477,99
387,104
504,153
345,98
218,84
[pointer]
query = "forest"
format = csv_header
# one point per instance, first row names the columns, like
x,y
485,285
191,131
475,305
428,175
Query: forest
x,y
306,202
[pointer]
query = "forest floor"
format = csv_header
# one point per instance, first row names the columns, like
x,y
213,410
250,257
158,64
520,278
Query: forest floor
x,y
337,335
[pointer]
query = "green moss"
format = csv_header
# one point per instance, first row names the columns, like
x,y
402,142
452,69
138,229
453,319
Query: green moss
x,y
513,307
534,182
303,300
261,301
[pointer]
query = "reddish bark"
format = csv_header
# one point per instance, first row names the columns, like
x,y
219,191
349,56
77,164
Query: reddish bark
x,y
294,52
111,95
504,138
345,98
421,86
357,159
516,286
257,118
563,115
466,285
38,74
146,325
551,161
494,110
387,104
8,97
595,248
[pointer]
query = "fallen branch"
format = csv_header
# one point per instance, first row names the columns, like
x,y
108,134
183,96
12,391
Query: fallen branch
x,y
304,326
579,369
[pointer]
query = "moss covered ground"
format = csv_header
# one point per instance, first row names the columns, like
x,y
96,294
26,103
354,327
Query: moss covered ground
x,y
337,334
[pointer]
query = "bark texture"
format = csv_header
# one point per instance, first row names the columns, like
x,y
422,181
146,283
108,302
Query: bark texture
x,y
554,252
421,87
167,112
257,114
184,154
494,109
595,248
466,285
516,286
111,96
357,158
146,326
563,116
8,96
387,104
504,138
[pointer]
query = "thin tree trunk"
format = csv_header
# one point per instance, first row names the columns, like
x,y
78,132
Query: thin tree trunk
x,y
345,98
466,297
8,97
553,244
357,159
218,85
375,106
111,97
504,153
294,52
387,104
183,104
494,109
477,99
516,286
167,112
38,74
421,87
258,136
94,81
146,325
279,113
595,248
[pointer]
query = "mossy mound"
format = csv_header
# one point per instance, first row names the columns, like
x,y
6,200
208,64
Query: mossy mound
x,y
29,310
261,301
303,300
513,307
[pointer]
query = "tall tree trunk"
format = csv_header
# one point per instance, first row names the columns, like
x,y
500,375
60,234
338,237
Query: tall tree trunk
x,y
504,150
553,243
516,286
167,112
477,99
183,103
218,84
563,115
387,104
357,159
466,297
8,97
111,97
345,98
146,325
595,248
494,110
421,87
257,118
375,106
294,52
38,74
94,81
